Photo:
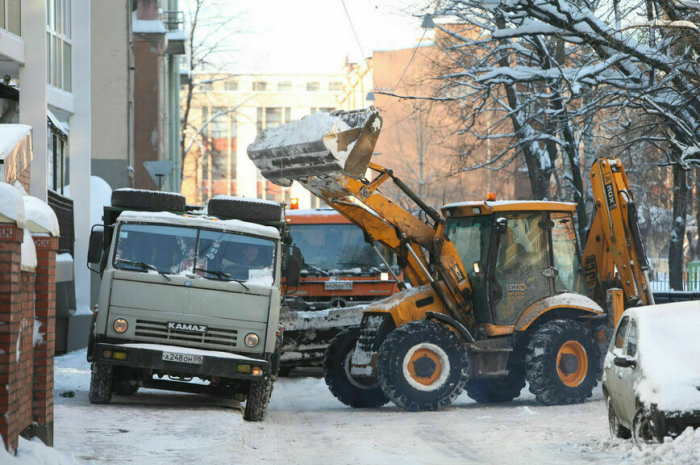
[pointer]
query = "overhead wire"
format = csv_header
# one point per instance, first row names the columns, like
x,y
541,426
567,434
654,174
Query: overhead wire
x,y
359,45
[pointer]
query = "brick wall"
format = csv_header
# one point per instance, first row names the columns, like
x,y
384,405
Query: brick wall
x,y
45,313
12,363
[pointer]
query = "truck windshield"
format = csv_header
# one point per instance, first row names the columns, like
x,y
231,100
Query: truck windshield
x,y
210,254
337,249
471,236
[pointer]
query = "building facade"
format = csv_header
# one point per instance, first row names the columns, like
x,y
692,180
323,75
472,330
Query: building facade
x,y
228,111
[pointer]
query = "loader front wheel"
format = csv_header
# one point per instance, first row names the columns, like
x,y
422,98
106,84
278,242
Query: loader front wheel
x,y
422,365
497,390
561,363
354,392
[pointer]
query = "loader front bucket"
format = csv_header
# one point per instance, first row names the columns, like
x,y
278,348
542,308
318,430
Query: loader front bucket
x,y
340,142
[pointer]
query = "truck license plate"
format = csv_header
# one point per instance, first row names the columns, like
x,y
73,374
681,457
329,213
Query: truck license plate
x,y
183,358
338,285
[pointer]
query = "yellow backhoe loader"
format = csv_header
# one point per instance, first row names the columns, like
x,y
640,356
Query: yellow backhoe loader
x,y
496,292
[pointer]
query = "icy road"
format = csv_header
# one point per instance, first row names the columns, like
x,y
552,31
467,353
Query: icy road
x,y
306,425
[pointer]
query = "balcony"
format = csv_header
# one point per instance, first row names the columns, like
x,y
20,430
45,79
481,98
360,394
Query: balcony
x,y
174,22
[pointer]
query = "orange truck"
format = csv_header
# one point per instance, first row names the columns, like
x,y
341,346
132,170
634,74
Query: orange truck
x,y
341,273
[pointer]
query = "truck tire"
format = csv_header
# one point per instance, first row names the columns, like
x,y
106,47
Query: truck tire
x,y
497,390
251,210
356,393
561,363
101,384
156,201
258,397
422,365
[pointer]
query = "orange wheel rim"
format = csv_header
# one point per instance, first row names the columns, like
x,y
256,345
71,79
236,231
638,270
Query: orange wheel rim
x,y
421,375
572,363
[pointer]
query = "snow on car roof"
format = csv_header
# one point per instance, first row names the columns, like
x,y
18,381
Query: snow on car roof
x,y
669,354
200,222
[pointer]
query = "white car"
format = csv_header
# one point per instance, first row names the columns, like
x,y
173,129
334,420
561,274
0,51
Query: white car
x,y
651,379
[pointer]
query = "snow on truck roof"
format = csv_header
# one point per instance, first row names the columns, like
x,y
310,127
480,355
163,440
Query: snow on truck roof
x,y
669,352
199,221
315,216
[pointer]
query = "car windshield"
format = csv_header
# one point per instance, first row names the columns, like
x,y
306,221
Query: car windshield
x,y
337,249
210,254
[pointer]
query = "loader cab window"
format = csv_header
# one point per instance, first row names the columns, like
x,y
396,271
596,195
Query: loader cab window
x,y
472,238
521,257
566,256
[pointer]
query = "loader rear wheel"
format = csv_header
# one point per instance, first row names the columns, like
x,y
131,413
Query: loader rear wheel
x,y
497,390
422,365
138,199
355,392
561,363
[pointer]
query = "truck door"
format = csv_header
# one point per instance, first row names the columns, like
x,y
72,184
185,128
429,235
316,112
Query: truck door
x,y
521,256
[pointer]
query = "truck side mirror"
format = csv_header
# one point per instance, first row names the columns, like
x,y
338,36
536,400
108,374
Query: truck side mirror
x,y
293,269
501,225
96,245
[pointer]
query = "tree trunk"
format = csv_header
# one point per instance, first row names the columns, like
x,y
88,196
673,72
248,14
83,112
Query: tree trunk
x,y
676,263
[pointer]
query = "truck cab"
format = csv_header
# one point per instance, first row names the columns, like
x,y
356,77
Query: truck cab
x,y
188,295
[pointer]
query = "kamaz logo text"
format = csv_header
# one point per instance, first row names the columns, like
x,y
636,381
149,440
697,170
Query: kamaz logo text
x,y
187,327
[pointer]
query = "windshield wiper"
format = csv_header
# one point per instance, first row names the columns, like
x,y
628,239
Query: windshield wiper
x,y
143,266
223,275
316,269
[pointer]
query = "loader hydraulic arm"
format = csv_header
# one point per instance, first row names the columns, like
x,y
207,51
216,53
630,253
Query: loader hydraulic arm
x,y
332,165
614,243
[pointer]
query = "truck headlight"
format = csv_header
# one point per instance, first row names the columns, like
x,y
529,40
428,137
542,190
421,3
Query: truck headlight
x,y
251,339
120,325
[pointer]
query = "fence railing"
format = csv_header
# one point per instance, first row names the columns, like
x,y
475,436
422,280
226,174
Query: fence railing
x,y
174,20
661,282
63,207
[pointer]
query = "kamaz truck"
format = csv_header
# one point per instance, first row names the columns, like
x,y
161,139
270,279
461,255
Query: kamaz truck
x,y
189,295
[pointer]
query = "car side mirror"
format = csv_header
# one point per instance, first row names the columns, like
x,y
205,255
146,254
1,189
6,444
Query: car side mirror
x,y
294,262
96,245
624,362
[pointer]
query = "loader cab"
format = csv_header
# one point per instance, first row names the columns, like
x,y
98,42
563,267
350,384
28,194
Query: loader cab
x,y
515,254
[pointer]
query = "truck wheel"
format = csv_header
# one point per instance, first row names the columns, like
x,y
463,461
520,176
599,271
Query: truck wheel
x,y
561,363
252,210
138,199
422,365
101,384
616,428
258,398
643,428
497,390
356,393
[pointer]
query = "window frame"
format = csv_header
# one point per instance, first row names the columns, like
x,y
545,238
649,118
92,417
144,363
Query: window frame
x,y
613,345
59,34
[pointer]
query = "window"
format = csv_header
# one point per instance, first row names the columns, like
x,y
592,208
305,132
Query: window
x,y
620,334
219,126
231,85
58,44
284,86
10,16
204,86
323,109
260,86
566,254
314,86
335,86
272,116
632,340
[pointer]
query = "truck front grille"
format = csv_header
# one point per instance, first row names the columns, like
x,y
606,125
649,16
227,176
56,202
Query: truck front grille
x,y
225,339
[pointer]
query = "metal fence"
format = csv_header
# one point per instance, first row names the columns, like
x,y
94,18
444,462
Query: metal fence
x,y
660,282
63,207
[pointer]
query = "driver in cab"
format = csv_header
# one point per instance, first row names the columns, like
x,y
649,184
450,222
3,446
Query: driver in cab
x,y
237,263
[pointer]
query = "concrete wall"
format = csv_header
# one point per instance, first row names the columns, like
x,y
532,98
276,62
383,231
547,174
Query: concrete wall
x,y
111,91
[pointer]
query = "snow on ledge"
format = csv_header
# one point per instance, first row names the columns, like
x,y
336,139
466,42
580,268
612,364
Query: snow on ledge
x,y
148,26
11,205
10,136
189,351
40,218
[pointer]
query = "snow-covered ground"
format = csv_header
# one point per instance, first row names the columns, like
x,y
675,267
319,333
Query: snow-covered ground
x,y
307,425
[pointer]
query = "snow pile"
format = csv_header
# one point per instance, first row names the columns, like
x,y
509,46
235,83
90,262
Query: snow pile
x,y
41,215
322,319
34,452
28,252
685,449
147,26
308,129
11,204
10,136
669,355
398,298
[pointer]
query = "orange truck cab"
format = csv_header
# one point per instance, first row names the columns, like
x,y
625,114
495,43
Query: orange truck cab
x,y
340,274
